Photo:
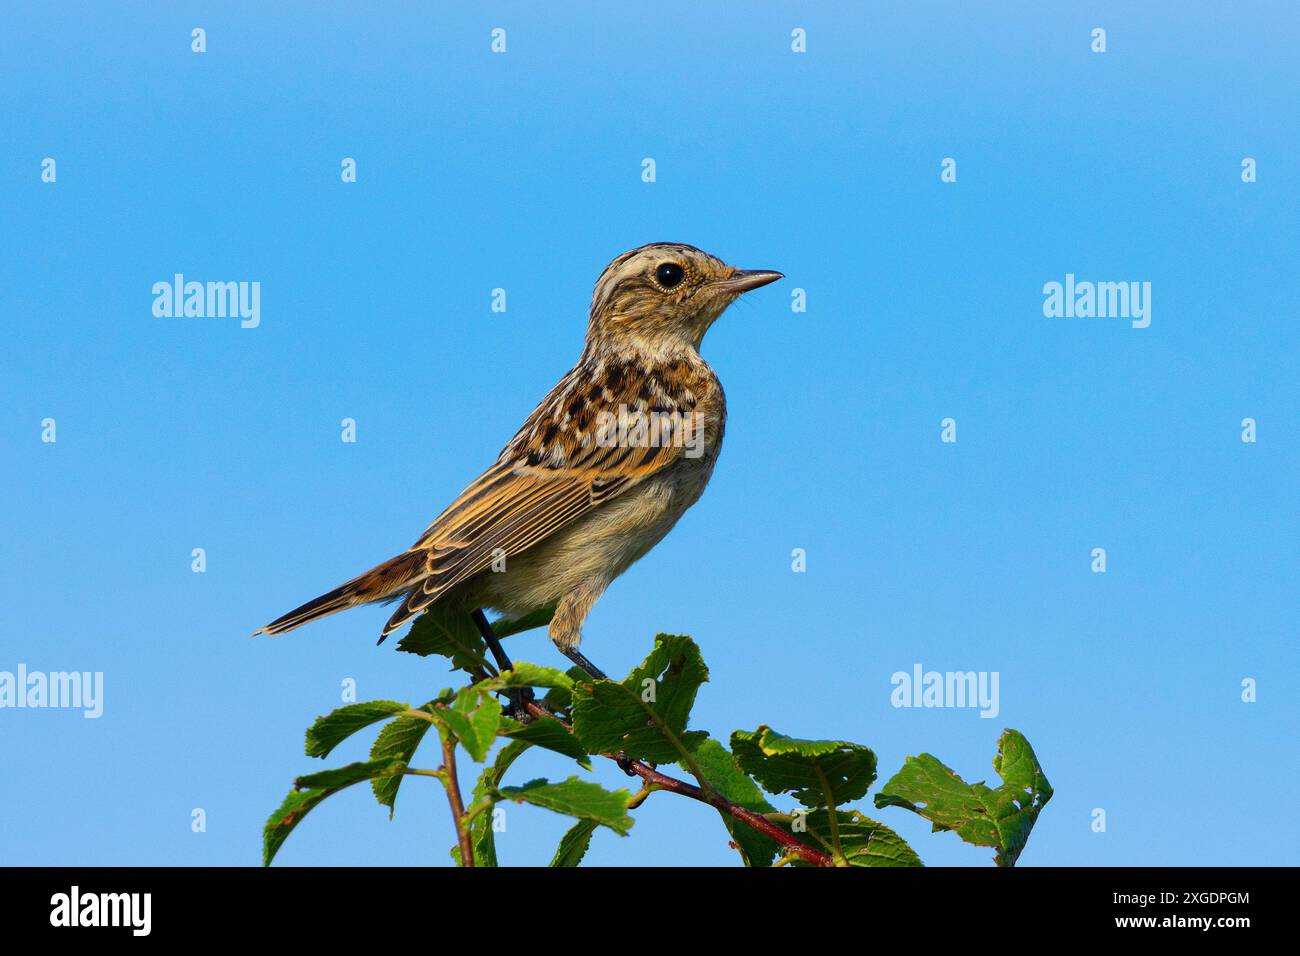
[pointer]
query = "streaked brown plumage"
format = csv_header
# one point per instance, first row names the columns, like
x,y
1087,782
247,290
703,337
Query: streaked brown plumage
x,y
572,501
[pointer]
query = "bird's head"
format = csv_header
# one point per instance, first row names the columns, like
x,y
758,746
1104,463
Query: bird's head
x,y
664,296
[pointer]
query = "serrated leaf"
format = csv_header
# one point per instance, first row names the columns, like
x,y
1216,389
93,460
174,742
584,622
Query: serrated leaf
x,y
725,777
524,674
341,777
338,725
482,836
817,773
398,741
549,733
573,845
1000,818
308,792
645,715
474,718
560,699
447,630
576,798
281,823
861,840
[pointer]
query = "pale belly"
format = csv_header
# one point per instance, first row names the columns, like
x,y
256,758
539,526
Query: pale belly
x,y
599,546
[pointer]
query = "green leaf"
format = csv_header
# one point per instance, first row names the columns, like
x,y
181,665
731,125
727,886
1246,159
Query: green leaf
x,y
573,846
524,674
342,777
725,777
308,792
331,730
560,699
576,798
474,718
549,733
1000,818
818,773
861,840
398,741
447,630
505,628
644,715
482,836
281,823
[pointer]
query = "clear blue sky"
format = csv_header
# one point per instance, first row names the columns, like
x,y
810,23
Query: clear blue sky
x,y
522,171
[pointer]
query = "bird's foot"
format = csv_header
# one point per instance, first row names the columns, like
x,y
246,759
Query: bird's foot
x,y
516,705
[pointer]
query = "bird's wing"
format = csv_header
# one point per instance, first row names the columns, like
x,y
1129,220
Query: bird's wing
x,y
559,466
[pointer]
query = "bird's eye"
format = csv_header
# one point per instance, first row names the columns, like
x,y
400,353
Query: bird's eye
x,y
669,275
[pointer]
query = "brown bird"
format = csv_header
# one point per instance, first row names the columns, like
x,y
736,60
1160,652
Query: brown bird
x,y
598,474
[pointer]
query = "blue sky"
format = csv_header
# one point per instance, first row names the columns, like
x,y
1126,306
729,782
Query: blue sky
x,y
523,171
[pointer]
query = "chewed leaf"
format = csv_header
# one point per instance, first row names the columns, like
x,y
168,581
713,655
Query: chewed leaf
x,y
818,773
1000,818
645,715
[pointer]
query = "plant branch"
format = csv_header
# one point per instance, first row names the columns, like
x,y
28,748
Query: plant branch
x,y
653,778
452,784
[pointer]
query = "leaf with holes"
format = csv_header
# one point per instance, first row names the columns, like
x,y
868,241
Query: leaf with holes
x,y
644,715
818,773
1000,818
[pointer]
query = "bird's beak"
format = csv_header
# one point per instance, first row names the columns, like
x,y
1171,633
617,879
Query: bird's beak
x,y
742,280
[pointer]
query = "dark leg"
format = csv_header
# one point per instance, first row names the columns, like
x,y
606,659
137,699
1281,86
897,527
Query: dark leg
x,y
577,657
485,629
624,762
520,697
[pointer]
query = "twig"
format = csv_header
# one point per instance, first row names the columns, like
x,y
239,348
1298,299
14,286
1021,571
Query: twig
x,y
653,777
452,783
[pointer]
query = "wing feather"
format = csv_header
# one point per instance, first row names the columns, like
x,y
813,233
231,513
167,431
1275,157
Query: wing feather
x,y
555,470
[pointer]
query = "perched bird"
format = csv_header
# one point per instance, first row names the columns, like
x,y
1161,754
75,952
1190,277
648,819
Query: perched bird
x,y
598,474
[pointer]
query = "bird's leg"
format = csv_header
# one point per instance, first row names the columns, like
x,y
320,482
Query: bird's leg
x,y
520,697
575,655
572,653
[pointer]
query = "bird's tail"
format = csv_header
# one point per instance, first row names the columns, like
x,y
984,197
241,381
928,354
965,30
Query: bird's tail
x,y
391,579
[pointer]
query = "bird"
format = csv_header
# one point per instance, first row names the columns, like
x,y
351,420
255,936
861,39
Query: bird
x,y
597,475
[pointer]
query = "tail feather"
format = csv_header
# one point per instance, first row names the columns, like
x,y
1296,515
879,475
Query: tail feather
x,y
382,582
413,606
